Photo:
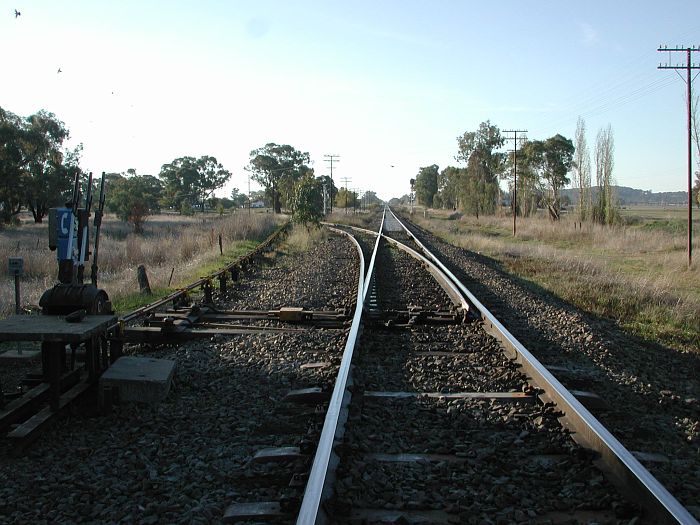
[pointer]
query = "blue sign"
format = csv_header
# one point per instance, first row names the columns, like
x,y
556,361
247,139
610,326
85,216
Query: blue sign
x,y
66,233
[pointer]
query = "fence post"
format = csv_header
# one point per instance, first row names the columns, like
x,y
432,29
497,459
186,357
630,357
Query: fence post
x,y
144,286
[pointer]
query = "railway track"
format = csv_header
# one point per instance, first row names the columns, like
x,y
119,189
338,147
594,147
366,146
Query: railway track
x,y
424,414
436,444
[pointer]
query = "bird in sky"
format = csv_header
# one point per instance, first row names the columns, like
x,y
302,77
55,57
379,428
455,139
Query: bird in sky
x,y
17,13
59,71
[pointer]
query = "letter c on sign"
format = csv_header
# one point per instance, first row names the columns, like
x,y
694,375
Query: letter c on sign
x,y
64,228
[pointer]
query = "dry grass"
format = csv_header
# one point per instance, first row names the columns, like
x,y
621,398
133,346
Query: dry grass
x,y
169,241
361,219
633,274
301,238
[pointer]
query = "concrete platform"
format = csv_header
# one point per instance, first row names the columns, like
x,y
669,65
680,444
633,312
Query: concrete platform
x,y
141,379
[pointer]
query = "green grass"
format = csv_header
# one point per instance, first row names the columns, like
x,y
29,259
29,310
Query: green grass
x,y
643,315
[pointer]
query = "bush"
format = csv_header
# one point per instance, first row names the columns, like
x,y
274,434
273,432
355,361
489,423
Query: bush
x,y
186,209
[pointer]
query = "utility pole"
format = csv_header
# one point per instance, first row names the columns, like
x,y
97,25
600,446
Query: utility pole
x,y
347,190
514,199
331,159
688,66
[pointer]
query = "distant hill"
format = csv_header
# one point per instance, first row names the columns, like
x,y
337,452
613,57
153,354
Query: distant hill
x,y
627,196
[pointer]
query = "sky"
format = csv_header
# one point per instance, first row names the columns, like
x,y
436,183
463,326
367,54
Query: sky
x,y
387,86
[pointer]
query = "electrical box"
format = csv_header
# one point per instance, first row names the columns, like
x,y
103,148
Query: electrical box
x,y
16,266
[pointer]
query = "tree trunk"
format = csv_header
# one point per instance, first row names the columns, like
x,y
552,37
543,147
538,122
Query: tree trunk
x,y
276,202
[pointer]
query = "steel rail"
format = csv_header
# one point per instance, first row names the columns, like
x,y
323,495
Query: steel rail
x,y
445,283
373,258
144,310
586,429
450,289
322,472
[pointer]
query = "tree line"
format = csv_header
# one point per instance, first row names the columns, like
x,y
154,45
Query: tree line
x,y
543,169
37,173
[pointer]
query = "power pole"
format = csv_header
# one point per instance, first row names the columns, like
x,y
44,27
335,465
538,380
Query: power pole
x,y
688,66
514,198
331,159
347,190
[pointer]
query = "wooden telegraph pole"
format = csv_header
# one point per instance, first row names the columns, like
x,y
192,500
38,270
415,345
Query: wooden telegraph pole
x,y
688,66
330,159
515,169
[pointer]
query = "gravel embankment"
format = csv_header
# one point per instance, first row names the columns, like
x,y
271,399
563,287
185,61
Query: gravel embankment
x,y
651,393
186,459
486,462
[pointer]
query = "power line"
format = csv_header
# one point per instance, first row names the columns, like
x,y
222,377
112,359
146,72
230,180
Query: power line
x,y
514,198
689,66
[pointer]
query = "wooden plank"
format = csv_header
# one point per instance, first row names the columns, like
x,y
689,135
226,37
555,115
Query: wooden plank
x,y
53,328
31,429
21,407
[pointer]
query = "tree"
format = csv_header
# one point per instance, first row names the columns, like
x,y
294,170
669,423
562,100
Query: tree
x,y
307,202
427,185
478,190
345,198
484,165
46,179
239,199
557,155
582,171
370,198
12,161
448,186
529,190
604,211
331,190
134,198
276,167
192,180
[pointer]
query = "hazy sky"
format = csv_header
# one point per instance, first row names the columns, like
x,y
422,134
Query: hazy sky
x,y
381,83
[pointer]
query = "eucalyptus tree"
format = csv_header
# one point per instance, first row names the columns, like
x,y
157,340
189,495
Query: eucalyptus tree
x,y
427,184
133,198
191,181
478,191
276,168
